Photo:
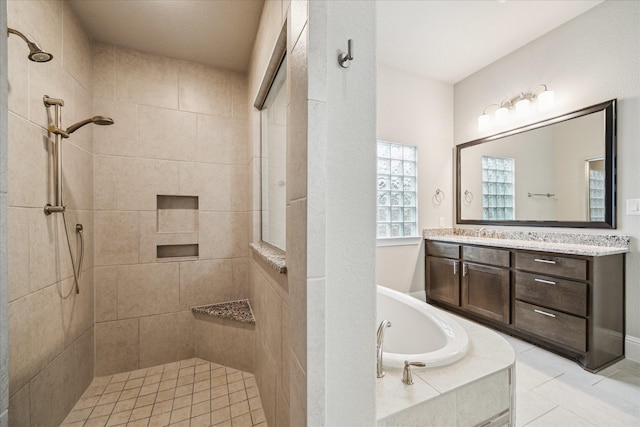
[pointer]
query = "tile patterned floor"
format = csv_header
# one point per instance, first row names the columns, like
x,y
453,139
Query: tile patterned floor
x,y
554,391
189,393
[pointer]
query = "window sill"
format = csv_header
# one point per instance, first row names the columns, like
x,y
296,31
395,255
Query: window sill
x,y
274,257
398,241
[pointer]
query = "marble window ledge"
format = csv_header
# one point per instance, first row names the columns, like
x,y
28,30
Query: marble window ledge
x,y
239,311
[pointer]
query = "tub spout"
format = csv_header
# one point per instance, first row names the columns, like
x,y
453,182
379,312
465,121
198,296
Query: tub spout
x,y
380,340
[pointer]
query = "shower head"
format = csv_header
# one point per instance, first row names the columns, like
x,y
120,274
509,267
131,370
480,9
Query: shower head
x,y
36,53
97,120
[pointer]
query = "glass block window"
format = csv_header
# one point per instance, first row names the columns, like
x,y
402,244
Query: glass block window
x,y
497,188
397,191
596,190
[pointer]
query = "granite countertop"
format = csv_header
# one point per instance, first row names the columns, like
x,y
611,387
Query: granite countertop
x,y
239,311
564,243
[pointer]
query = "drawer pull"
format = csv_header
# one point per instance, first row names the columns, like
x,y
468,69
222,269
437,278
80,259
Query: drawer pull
x,y
548,282
545,313
455,268
546,261
465,269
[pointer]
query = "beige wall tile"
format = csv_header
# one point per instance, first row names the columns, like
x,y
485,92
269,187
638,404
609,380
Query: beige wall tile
x,y
222,139
239,96
238,344
28,170
241,277
167,134
44,236
35,334
106,283
105,181
298,385
50,78
148,233
206,282
86,219
285,372
209,338
82,109
282,407
104,71
77,178
166,338
140,181
76,48
121,139
218,187
297,274
77,309
58,376
18,252
297,120
223,235
17,75
19,408
116,238
204,89
148,289
116,346
146,79
84,361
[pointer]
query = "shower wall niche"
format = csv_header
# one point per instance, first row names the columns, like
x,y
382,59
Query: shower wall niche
x,y
177,221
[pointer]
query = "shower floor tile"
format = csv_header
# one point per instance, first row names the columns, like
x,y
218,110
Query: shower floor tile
x,y
190,392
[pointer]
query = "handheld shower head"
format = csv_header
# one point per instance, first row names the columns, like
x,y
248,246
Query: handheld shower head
x,y
97,120
36,53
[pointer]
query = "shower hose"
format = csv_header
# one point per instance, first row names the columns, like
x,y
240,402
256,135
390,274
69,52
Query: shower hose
x,y
78,272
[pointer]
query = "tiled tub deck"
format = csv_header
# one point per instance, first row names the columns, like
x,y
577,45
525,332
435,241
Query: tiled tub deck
x,y
192,392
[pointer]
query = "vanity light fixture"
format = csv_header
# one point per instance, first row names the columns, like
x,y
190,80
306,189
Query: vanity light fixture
x,y
521,104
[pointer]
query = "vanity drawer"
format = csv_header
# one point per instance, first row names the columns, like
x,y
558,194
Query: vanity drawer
x,y
489,256
558,294
552,265
563,329
444,250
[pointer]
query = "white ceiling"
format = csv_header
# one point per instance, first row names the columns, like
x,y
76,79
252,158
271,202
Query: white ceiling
x,y
219,33
446,40
449,40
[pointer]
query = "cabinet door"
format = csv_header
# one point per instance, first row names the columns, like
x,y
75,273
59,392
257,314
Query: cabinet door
x,y
485,291
443,283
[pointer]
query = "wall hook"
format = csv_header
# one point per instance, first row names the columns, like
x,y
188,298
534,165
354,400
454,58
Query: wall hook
x,y
344,58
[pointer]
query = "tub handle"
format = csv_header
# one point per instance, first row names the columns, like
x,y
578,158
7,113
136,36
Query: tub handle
x,y
455,268
407,377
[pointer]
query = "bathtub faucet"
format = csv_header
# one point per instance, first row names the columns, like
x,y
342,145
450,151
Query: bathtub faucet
x,y
380,339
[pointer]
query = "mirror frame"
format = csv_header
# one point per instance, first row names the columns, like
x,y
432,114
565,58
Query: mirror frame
x,y
609,109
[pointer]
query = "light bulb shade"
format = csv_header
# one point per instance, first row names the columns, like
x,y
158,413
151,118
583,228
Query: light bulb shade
x,y
502,114
545,100
522,107
484,122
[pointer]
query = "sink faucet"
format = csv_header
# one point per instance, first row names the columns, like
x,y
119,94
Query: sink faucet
x,y
380,339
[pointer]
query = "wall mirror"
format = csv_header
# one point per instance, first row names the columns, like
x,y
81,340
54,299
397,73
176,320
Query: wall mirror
x,y
555,173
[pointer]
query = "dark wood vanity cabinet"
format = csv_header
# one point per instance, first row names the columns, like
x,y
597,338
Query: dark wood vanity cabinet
x,y
570,304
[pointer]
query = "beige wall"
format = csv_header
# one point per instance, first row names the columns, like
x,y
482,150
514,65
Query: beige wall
x,y
181,131
416,110
51,338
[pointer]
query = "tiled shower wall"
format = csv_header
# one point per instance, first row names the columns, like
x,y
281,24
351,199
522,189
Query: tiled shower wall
x,y
279,301
51,338
181,130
